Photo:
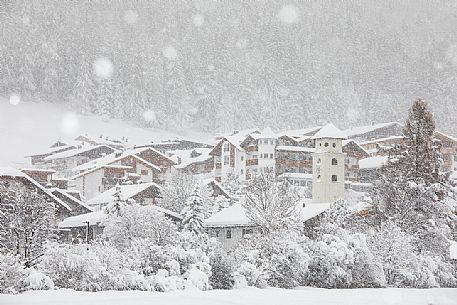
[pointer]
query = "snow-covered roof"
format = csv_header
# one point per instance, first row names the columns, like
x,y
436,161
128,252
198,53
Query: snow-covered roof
x,y
267,133
94,218
52,150
330,131
70,196
74,152
115,156
373,162
296,148
360,130
44,170
185,158
382,140
303,176
232,216
12,172
235,215
311,210
301,133
127,191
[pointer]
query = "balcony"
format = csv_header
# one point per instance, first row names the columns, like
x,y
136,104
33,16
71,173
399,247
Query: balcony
x,y
251,162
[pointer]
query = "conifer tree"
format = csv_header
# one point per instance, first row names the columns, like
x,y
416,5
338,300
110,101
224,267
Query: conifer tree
x,y
193,213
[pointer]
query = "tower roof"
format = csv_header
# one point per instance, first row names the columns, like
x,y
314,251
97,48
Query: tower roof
x,y
329,131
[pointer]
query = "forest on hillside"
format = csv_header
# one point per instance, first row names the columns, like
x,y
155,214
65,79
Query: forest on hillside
x,y
219,65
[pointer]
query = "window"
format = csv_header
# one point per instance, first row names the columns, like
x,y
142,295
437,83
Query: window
x,y
226,160
226,147
247,231
215,233
326,144
242,158
334,161
271,156
144,172
242,172
319,178
334,178
334,145
228,234
319,161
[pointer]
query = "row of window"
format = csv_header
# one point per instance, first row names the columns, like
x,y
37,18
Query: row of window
x,y
334,161
327,144
267,141
228,233
334,178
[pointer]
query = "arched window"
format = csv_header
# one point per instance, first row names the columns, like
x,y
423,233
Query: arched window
x,y
334,178
334,144
326,144
334,161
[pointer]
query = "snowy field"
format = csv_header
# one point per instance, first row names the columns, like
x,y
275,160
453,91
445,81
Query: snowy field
x,y
248,296
29,127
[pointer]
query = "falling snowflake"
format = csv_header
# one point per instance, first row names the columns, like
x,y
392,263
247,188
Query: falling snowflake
x,y
170,52
288,14
451,54
241,43
15,99
69,124
130,16
149,116
198,20
103,68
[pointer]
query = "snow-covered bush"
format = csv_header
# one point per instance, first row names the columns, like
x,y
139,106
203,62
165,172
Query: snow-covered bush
x,y
280,258
12,274
198,278
221,272
251,274
35,280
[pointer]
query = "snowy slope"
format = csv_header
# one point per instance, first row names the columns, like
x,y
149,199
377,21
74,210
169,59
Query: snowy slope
x,y
29,127
251,296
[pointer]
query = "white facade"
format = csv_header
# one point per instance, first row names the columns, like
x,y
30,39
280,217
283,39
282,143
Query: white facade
x,y
266,154
90,185
328,165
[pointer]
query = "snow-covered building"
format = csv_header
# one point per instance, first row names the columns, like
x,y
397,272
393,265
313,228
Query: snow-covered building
x,y
41,175
64,161
37,159
235,154
194,161
141,193
129,167
10,175
374,131
353,154
232,225
369,168
328,165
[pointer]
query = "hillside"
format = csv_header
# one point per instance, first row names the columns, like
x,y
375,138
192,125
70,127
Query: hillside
x,y
32,127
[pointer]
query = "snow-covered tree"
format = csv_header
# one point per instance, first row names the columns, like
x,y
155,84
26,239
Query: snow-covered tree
x,y
26,222
270,204
138,223
176,190
193,212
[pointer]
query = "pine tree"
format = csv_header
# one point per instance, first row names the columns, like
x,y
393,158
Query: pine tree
x,y
26,221
422,150
118,205
193,213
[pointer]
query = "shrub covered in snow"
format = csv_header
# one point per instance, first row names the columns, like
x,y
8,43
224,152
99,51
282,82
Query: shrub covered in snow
x,y
11,274
36,280
221,272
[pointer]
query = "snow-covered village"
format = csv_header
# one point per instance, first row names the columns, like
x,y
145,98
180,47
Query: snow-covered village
x,y
213,152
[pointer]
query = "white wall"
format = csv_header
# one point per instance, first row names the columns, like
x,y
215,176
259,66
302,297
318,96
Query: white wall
x,y
324,189
266,146
90,185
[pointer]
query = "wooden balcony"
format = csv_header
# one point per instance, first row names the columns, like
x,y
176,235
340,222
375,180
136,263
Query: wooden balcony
x,y
252,162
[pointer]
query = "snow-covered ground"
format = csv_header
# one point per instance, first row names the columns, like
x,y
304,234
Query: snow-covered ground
x,y
251,296
28,127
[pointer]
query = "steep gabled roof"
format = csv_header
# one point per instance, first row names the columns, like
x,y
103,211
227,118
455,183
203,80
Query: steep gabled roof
x,y
127,191
330,131
75,152
361,130
14,173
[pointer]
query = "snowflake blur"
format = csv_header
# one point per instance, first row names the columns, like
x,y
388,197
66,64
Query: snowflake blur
x,y
69,124
103,68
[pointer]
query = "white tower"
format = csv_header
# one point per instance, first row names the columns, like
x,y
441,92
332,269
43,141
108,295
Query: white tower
x,y
328,165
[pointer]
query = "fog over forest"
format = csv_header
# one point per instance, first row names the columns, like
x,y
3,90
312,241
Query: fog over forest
x,y
219,65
